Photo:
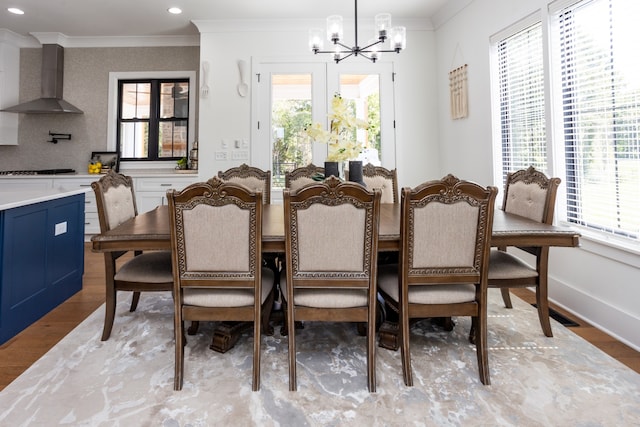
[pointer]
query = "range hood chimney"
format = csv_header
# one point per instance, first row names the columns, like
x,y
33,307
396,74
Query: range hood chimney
x,y
51,101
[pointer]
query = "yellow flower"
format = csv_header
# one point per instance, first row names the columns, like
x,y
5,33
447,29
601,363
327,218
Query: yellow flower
x,y
340,137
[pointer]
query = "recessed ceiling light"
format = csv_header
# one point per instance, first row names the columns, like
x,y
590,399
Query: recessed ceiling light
x,y
175,10
16,11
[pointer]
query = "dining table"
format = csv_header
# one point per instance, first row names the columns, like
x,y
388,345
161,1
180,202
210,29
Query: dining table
x,y
150,231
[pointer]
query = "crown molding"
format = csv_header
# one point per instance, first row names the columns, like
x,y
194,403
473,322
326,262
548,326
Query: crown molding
x,y
121,41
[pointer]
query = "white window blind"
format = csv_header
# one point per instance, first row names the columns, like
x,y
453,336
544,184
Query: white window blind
x,y
596,44
521,100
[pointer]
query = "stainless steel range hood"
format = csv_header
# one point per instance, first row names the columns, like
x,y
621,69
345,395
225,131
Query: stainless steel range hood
x,y
51,101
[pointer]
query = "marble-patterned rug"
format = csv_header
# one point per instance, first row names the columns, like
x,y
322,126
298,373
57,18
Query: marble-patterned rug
x,y
128,380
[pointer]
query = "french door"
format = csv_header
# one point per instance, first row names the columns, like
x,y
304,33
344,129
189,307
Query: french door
x,y
290,96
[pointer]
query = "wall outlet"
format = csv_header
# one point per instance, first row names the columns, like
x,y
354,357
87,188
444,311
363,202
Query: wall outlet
x,y
240,155
222,155
60,228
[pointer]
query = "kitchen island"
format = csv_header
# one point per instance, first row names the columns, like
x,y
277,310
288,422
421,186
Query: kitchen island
x,y
41,253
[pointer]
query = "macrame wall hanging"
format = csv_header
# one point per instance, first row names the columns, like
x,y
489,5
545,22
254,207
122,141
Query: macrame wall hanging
x,y
458,92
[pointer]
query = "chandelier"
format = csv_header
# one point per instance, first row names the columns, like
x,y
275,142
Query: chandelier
x,y
372,51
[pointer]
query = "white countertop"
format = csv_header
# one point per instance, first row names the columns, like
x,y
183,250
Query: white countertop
x,y
138,173
15,199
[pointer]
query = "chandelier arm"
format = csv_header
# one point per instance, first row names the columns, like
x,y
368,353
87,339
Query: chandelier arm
x,y
344,57
364,49
351,51
349,48
367,57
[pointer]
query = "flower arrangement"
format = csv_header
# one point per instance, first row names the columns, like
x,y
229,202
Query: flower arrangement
x,y
341,136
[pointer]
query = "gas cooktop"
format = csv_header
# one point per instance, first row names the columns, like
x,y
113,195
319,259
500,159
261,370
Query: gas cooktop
x,y
38,172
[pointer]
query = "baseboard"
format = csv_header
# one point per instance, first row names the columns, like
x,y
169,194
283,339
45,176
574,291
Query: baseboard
x,y
610,319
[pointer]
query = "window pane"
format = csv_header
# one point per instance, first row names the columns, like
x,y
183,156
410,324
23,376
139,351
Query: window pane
x,y
290,114
599,74
522,103
174,100
134,139
172,139
136,100
361,92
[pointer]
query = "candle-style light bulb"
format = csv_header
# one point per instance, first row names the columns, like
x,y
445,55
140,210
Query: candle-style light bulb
x,y
382,23
334,28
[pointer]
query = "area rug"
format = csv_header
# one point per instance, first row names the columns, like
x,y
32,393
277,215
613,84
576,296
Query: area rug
x,y
128,380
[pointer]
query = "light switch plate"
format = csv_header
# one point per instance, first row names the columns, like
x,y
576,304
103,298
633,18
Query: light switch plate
x,y
221,155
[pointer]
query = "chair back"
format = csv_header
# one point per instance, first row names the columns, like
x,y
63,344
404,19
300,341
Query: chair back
x,y
384,179
301,177
331,232
115,199
251,177
445,232
529,193
227,213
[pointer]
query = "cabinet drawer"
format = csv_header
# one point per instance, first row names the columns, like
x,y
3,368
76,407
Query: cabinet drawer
x,y
19,184
161,184
91,223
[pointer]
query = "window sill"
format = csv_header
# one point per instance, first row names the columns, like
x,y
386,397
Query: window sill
x,y
608,246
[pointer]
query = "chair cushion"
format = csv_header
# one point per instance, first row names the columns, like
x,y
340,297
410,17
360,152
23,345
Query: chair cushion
x,y
526,200
217,238
251,182
444,235
503,265
298,183
320,227
424,294
208,297
118,203
326,298
149,267
384,184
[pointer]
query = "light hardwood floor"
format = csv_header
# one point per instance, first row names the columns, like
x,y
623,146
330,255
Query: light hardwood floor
x,y
17,354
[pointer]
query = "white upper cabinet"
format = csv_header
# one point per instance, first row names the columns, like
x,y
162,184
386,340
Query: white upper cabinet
x,y
9,90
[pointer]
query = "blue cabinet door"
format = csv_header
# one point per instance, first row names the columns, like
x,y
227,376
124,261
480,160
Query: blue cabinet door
x,y
42,260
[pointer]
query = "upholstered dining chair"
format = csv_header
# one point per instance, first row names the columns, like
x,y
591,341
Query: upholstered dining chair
x,y
256,179
531,194
384,179
445,234
149,271
302,176
331,237
212,284
251,177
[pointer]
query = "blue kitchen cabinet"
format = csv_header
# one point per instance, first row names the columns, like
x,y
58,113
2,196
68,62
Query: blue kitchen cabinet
x,y
42,252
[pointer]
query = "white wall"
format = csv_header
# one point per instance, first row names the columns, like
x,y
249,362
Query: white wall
x,y
225,115
602,289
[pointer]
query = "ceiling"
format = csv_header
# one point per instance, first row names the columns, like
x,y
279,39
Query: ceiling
x,y
135,18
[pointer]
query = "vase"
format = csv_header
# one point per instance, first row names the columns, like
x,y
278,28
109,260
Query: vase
x,y
331,168
355,172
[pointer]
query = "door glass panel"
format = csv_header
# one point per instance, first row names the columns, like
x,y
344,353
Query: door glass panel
x,y
136,100
361,92
290,113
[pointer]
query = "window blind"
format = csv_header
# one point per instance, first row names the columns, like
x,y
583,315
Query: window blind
x,y
521,100
599,74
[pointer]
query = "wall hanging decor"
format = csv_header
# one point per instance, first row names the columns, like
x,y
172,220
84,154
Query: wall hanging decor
x,y
458,92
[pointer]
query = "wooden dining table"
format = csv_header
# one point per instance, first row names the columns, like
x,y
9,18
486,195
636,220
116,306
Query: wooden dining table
x,y
150,231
